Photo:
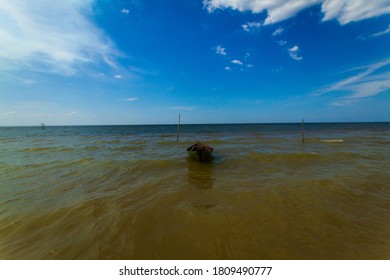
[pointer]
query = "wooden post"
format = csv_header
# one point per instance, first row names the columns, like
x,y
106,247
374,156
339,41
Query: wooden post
x,y
177,132
303,131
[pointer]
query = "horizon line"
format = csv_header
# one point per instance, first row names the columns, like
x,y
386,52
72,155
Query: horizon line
x,y
155,124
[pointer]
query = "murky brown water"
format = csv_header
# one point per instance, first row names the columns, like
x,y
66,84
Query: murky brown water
x,y
131,192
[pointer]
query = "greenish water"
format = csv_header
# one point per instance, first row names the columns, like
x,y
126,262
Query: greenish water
x,y
131,192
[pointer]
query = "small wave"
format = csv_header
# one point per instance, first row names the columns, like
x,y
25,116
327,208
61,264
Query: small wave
x,y
166,143
91,148
217,141
47,149
104,142
281,158
333,140
35,149
40,140
145,166
7,140
129,148
167,136
343,156
83,160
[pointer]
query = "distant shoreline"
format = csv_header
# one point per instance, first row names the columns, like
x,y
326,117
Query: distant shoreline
x,y
195,124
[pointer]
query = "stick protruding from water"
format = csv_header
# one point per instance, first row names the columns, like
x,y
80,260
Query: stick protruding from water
x,y
177,132
303,131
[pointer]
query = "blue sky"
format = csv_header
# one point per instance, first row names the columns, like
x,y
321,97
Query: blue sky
x,y
82,62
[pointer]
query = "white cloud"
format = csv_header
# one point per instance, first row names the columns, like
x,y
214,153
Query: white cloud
x,y
118,76
236,61
277,69
295,56
109,62
278,31
386,31
125,11
278,10
364,84
227,68
9,113
282,42
220,50
54,37
344,11
132,99
251,26
364,89
294,53
369,69
35,113
370,88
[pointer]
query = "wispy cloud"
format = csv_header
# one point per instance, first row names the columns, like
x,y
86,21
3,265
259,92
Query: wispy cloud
x,y
371,80
251,26
55,38
132,99
277,69
220,50
33,113
109,62
364,90
236,61
125,11
278,10
369,69
344,11
118,76
8,113
386,31
278,31
294,53
282,42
